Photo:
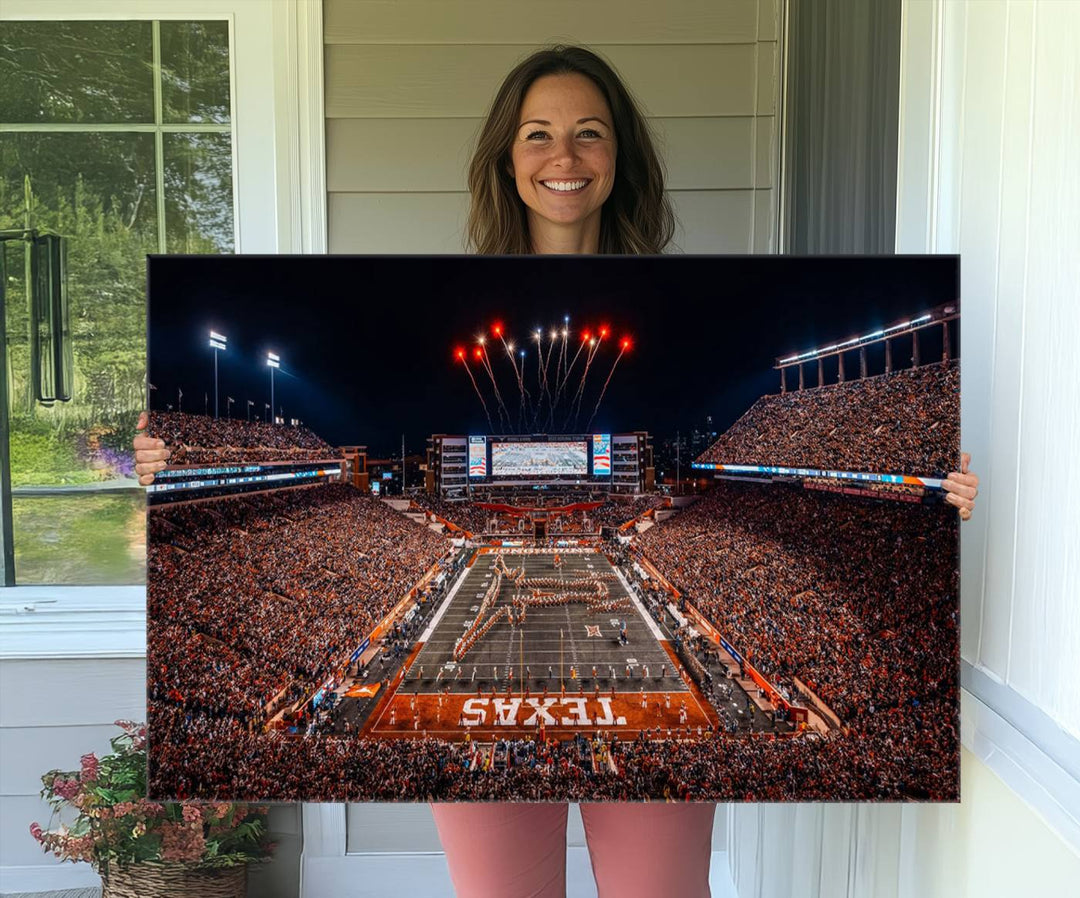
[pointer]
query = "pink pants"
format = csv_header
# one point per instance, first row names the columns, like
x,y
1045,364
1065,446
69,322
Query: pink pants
x,y
518,850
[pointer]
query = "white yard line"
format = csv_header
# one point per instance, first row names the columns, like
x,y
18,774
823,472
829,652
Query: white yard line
x,y
648,618
446,604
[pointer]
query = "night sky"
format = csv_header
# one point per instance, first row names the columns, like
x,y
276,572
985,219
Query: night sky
x,y
367,342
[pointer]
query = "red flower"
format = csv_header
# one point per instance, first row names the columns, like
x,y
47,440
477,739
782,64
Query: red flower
x,y
89,767
181,842
192,814
36,831
65,788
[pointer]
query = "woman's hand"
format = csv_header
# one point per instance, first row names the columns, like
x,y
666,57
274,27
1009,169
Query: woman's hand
x,y
150,453
961,488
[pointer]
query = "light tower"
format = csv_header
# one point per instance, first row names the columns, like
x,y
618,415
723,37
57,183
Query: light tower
x,y
272,361
217,342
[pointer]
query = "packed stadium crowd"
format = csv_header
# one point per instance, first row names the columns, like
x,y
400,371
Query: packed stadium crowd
x,y
462,513
857,598
249,595
218,758
618,510
904,422
475,518
200,439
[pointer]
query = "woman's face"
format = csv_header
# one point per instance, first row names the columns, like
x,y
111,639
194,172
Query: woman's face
x,y
563,154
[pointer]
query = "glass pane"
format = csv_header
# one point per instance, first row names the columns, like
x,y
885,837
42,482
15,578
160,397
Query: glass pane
x,y
198,193
98,191
82,539
195,71
76,72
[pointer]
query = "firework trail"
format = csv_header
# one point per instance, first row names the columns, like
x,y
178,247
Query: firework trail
x,y
554,396
560,360
547,387
495,386
525,405
625,346
539,378
593,350
566,376
468,370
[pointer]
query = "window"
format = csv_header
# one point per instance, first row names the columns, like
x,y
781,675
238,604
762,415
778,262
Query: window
x,y
118,136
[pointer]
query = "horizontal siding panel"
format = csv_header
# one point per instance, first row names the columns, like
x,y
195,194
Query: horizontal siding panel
x,y
69,693
460,81
432,154
716,221
765,221
768,28
709,221
17,846
28,752
422,223
765,152
390,827
521,22
399,154
768,78
706,153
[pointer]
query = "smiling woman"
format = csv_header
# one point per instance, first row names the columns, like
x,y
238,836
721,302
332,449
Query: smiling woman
x,y
563,117
563,162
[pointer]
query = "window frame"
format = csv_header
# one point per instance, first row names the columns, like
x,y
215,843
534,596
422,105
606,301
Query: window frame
x,y
276,94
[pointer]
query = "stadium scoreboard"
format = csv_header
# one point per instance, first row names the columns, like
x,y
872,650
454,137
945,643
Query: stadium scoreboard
x,y
463,464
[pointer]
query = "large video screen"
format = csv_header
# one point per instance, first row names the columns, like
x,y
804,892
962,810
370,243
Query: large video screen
x,y
478,456
540,459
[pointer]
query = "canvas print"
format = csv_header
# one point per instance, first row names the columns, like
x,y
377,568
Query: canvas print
x,y
578,528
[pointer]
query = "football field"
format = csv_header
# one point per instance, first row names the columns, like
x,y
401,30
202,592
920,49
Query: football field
x,y
544,649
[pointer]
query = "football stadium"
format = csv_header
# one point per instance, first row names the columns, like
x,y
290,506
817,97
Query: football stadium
x,y
540,615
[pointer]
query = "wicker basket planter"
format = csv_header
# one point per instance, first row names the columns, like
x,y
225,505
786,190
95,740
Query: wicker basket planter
x,y
161,880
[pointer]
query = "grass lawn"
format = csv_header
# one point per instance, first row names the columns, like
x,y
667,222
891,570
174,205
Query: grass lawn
x,y
80,540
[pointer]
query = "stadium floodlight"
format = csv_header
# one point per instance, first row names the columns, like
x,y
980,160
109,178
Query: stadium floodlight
x,y
218,342
922,318
789,359
874,334
896,327
272,361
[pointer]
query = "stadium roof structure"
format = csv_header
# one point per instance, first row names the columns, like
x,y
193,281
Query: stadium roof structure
x,y
939,316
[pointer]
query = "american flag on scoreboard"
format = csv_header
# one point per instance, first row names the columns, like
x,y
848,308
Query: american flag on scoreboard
x,y
601,454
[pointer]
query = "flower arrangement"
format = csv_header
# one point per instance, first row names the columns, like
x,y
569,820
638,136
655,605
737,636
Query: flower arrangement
x,y
117,825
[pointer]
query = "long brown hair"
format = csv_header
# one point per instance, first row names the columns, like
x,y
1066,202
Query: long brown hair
x,y
637,217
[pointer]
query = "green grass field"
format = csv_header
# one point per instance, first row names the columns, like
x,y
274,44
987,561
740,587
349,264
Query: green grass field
x,y
81,539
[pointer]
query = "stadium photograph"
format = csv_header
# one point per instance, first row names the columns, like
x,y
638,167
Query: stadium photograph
x,y
579,528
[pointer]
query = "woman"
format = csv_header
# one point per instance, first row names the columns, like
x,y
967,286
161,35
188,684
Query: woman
x,y
565,164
